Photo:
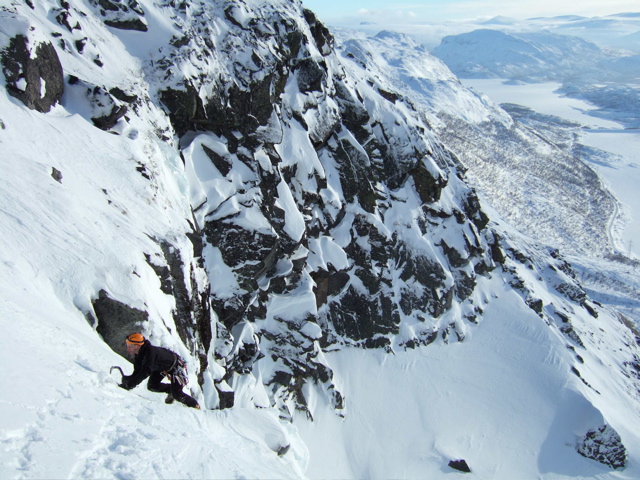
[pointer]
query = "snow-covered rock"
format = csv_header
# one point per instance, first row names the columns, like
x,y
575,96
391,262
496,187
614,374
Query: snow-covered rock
x,y
33,73
281,213
605,446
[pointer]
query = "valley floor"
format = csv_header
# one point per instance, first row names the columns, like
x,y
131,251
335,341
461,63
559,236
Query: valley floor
x,y
612,282
622,174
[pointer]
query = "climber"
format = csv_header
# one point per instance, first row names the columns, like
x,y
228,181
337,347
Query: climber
x,y
157,363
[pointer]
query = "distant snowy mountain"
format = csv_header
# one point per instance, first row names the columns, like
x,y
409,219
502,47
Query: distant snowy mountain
x,y
500,20
629,66
531,56
610,31
605,78
627,42
290,213
518,168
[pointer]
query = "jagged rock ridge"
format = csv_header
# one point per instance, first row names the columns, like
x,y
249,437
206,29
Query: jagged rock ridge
x,y
325,211
321,166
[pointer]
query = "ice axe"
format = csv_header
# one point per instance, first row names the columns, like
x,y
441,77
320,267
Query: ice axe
x,y
117,368
122,383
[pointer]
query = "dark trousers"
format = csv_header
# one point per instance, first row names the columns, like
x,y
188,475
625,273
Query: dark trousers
x,y
174,388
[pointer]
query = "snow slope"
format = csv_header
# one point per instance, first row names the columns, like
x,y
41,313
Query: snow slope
x,y
511,379
501,400
63,415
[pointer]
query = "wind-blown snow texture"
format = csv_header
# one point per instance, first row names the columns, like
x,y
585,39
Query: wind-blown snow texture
x,y
218,176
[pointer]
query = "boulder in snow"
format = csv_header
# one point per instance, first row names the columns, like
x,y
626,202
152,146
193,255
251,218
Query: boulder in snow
x,y
122,15
33,73
604,445
460,465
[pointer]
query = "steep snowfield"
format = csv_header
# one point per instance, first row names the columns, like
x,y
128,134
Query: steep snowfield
x,y
501,400
510,400
84,210
63,415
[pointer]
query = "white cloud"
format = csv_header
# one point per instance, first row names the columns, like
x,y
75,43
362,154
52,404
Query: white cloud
x,y
436,11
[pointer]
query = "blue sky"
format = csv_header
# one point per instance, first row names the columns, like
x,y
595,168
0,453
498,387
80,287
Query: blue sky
x,y
344,12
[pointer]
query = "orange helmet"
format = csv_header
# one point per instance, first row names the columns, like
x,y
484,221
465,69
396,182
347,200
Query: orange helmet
x,y
135,339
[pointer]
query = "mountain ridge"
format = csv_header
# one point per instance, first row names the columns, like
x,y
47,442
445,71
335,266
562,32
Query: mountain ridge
x,y
251,198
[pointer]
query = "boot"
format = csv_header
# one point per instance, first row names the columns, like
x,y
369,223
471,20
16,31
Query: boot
x,y
169,400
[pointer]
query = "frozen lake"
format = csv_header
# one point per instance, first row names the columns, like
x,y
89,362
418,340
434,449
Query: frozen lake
x,y
622,176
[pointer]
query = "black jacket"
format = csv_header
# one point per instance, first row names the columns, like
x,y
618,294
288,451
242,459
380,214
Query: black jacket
x,y
149,359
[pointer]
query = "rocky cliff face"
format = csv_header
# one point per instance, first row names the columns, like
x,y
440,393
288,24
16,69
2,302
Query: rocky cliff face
x,y
319,188
324,210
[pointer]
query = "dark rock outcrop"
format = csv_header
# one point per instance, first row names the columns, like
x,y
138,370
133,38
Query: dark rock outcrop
x,y
186,111
56,174
428,185
108,121
192,312
250,255
123,15
26,74
115,320
321,35
460,465
310,75
105,107
605,446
